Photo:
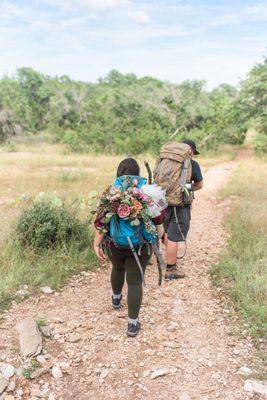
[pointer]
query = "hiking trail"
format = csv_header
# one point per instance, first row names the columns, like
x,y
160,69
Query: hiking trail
x,y
185,349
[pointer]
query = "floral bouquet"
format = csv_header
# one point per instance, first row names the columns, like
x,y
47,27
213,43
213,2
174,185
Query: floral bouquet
x,y
129,204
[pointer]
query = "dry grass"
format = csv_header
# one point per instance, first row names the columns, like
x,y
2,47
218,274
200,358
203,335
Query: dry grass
x,y
42,167
242,269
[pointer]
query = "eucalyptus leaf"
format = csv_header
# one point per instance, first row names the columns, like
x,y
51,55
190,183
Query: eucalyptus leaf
x,y
135,222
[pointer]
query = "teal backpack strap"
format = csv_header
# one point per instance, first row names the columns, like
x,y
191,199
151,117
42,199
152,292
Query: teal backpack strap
x,y
137,260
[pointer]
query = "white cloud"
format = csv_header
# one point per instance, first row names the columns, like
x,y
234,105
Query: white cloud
x,y
165,38
139,16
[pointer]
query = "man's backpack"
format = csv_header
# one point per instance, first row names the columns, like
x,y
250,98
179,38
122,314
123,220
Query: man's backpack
x,y
121,230
173,170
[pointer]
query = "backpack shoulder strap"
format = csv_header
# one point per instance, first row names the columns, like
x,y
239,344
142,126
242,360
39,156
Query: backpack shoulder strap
x,y
186,165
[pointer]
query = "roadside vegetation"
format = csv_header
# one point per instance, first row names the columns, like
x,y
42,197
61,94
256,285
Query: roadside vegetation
x,y
241,270
122,113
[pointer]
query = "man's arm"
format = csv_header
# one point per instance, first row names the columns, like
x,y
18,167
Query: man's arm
x,y
197,185
197,178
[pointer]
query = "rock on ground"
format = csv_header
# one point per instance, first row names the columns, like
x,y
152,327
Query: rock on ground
x,y
30,339
56,372
7,370
3,384
160,372
259,387
47,290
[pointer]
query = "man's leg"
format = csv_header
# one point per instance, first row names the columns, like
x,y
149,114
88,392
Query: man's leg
x,y
174,235
172,251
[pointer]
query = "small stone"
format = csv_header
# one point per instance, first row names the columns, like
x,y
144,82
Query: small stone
x,y
146,373
171,345
36,392
38,372
51,397
11,387
178,308
19,392
7,370
57,320
74,324
9,397
259,387
41,359
184,396
159,373
46,331
23,292
245,371
210,364
3,384
236,352
171,328
104,374
56,372
47,290
74,337
64,365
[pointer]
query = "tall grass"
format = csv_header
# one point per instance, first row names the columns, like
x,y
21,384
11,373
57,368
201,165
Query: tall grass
x,y
242,268
20,266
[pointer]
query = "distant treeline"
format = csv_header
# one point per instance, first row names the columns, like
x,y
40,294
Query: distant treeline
x,y
123,113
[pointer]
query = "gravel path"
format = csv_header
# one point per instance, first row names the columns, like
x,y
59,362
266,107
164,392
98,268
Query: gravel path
x,y
184,351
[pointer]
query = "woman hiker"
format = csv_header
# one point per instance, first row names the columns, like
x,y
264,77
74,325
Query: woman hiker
x,y
123,259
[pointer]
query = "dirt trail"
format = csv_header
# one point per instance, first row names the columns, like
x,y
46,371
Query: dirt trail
x,y
186,330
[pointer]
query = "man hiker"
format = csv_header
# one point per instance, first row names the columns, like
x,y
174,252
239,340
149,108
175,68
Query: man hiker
x,y
180,176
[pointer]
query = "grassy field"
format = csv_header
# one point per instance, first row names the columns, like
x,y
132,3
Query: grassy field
x,y
242,268
28,170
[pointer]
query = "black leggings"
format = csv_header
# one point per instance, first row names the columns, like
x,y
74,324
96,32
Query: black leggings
x,y
123,262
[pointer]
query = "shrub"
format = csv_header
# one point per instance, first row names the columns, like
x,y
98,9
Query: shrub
x,y
260,144
46,223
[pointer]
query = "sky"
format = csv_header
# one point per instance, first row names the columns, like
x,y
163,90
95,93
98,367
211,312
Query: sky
x,y
216,41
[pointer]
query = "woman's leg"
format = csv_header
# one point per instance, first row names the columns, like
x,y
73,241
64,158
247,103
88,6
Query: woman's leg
x,y
134,281
117,259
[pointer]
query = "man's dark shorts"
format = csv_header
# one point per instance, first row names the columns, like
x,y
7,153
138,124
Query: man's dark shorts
x,y
174,232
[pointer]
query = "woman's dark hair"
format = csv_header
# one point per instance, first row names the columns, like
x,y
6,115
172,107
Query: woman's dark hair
x,y
128,166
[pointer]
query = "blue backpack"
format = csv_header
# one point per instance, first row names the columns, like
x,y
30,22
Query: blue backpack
x,y
120,230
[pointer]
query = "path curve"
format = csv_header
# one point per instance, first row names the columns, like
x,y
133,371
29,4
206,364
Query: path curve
x,y
186,331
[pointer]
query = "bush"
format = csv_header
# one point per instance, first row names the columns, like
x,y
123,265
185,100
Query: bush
x,y
46,223
260,144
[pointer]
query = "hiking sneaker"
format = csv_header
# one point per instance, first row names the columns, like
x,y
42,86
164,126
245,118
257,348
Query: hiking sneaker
x,y
174,273
116,303
133,329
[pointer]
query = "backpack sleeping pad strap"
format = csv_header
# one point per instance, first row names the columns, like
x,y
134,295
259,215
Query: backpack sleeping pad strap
x,y
180,230
185,167
160,262
137,260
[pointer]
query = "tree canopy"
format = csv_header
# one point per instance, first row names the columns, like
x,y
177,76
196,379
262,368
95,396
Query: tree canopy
x,y
124,113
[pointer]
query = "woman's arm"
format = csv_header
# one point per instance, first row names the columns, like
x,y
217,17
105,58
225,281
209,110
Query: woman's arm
x,y
97,245
99,238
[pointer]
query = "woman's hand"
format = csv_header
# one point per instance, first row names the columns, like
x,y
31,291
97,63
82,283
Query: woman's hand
x,y
97,246
99,252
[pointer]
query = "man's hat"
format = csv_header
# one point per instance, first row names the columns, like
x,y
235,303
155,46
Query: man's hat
x,y
192,145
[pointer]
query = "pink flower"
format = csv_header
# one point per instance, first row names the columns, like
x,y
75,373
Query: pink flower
x,y
144,197
136,192
114,197
124,210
